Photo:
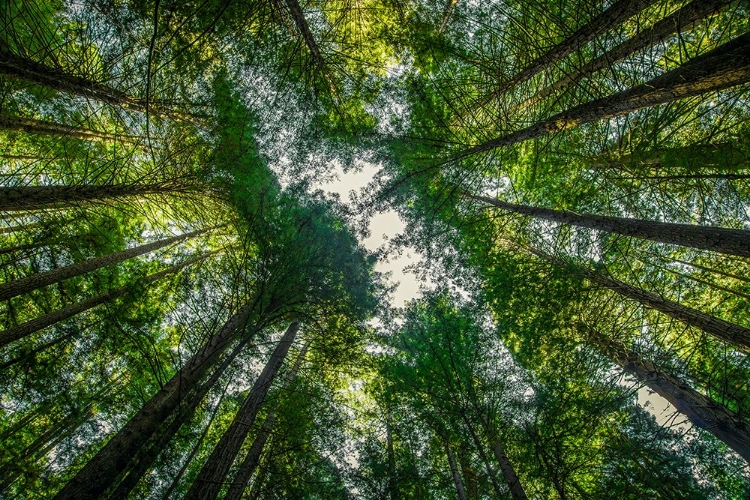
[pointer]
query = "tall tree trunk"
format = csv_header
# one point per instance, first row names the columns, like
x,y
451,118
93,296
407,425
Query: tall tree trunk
x,y
615,15
148,453
715,239
454,471
450,6
21,68
509,473
252,458
102,470
211,478
41,127
20,331
26,198
702,411
393,487
721,68
39,280
482,455
725,331
681,19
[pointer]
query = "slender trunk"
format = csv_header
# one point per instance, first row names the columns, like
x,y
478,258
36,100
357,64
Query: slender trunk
x,y
702,411
39,280
454,472
21,68
304,30
102,470
715,239
482,455
509,473
27,198
450,6
20,331
727,177
618,13
681,19
211,478
20,227
393,487
41,127
721,68
252,458
148,453
725,331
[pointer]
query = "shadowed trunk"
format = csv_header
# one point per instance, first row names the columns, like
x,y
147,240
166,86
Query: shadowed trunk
x,y
721,68
27,198
20,331
703,412
102,470
39,280
41,127
212,476
715,239
460,491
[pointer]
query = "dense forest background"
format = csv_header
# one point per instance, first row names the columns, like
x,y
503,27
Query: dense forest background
x,y
186,313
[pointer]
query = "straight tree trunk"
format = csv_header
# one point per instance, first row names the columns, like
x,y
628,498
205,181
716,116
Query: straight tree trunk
x,y
148,453
450,6
480,449
725,331
721,68
682,19
304,30
615,15
41,127
509,473
100,473
27,198
212,476
703,412
20,331
20,68
715,239
393,488
252,458
39,280
461,492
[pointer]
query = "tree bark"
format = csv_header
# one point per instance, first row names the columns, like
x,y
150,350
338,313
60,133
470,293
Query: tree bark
x,y
454,472
211,478
682,19
33,72
725,331
20,331
480,449
509,473
41,127
102,470
26,198
721,68
148,453
39,280
252,458
450,6
715,239
703,412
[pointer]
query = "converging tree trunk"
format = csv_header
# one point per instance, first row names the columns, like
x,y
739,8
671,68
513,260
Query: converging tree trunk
x,y
722,67
25,198
41,127
20,331
715,239
99,473
252,458
680,20
21,68
212,476
702,411
39,280
457,482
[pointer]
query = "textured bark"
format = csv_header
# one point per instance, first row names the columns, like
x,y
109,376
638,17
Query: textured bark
x,y
618,13
721,68
102,470
715,239
725,331
148,454
20,331
39,280
212,476
702,411
304,30
21,68
41,127
682,19
461,492
509,473
26,198
252,458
